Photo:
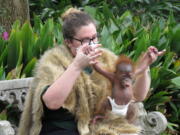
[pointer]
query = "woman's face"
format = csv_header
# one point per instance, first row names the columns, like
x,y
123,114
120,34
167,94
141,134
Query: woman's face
x,y
84,35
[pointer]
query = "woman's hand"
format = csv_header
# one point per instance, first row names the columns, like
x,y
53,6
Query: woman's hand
x,y
86,55
147,59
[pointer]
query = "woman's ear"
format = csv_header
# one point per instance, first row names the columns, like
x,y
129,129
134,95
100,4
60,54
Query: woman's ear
x,y
67,42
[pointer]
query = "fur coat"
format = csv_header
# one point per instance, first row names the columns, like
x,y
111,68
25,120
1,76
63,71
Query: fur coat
x,y
86,93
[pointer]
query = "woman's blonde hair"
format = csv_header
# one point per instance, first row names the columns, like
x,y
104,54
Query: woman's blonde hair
x,y
73,19
69,12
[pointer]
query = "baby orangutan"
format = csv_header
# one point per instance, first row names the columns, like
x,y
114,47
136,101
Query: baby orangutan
x,y
121,100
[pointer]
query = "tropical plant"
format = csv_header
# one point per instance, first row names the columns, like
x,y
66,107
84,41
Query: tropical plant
x,y
146,9
25,45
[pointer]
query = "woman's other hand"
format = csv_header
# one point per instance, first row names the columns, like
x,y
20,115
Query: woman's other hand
x,y
147,58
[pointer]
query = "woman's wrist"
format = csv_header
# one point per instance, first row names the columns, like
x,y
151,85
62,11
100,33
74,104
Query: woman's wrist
x,y
147,70
144,72
76,66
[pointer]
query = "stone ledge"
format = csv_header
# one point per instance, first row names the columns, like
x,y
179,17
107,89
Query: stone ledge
x,y
15,84
14,91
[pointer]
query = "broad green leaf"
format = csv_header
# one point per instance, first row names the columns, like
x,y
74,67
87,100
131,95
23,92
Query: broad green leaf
x,y
141,44
2,45
3,55
16,25
155,73
58,33
3,116
108,13
126,18
104,36
2,73
19,61
29,67
155,35
160,94
113,27
119,38
171,20
154,101
37,24
13,49
125,21
90,10
46,36
176,81
168,59
171,125
174,107
15,73
175,37
28,41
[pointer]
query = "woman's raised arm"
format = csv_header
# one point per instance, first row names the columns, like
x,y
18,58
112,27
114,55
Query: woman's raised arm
x,y
143,80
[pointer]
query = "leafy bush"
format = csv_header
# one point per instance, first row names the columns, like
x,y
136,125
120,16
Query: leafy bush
x,y
148,10
25,45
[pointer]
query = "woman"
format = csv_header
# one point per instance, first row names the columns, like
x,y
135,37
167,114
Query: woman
x,y
65,89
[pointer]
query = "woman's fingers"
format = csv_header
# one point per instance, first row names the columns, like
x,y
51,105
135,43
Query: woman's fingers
x,y
154,53
87,48
93,55
148,58
96,52
89,53
93,62
153,57
153,49
162,52
96,46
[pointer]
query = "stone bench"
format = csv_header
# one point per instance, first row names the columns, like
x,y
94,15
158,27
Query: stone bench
x,y
14,91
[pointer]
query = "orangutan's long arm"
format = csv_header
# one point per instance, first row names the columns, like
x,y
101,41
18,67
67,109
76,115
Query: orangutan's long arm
x,y
105,73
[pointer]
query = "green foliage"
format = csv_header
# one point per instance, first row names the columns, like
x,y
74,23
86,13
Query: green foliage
x,y
9,112
48,8
146,9
2,73
176,81
3,115
25,45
